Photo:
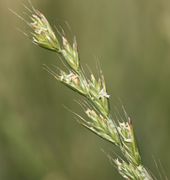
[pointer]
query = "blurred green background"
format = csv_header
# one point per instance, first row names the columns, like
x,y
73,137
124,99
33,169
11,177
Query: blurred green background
x,y
39,139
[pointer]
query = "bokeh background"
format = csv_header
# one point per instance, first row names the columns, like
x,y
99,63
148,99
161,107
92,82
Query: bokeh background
x,y
39,139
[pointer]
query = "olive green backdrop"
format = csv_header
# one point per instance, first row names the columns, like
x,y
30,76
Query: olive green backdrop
x,y
39,138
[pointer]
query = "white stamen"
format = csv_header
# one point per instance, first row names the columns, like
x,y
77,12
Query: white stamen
x,y
103,93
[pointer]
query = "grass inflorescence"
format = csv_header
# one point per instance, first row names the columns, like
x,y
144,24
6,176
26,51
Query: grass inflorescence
x,y
96,105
